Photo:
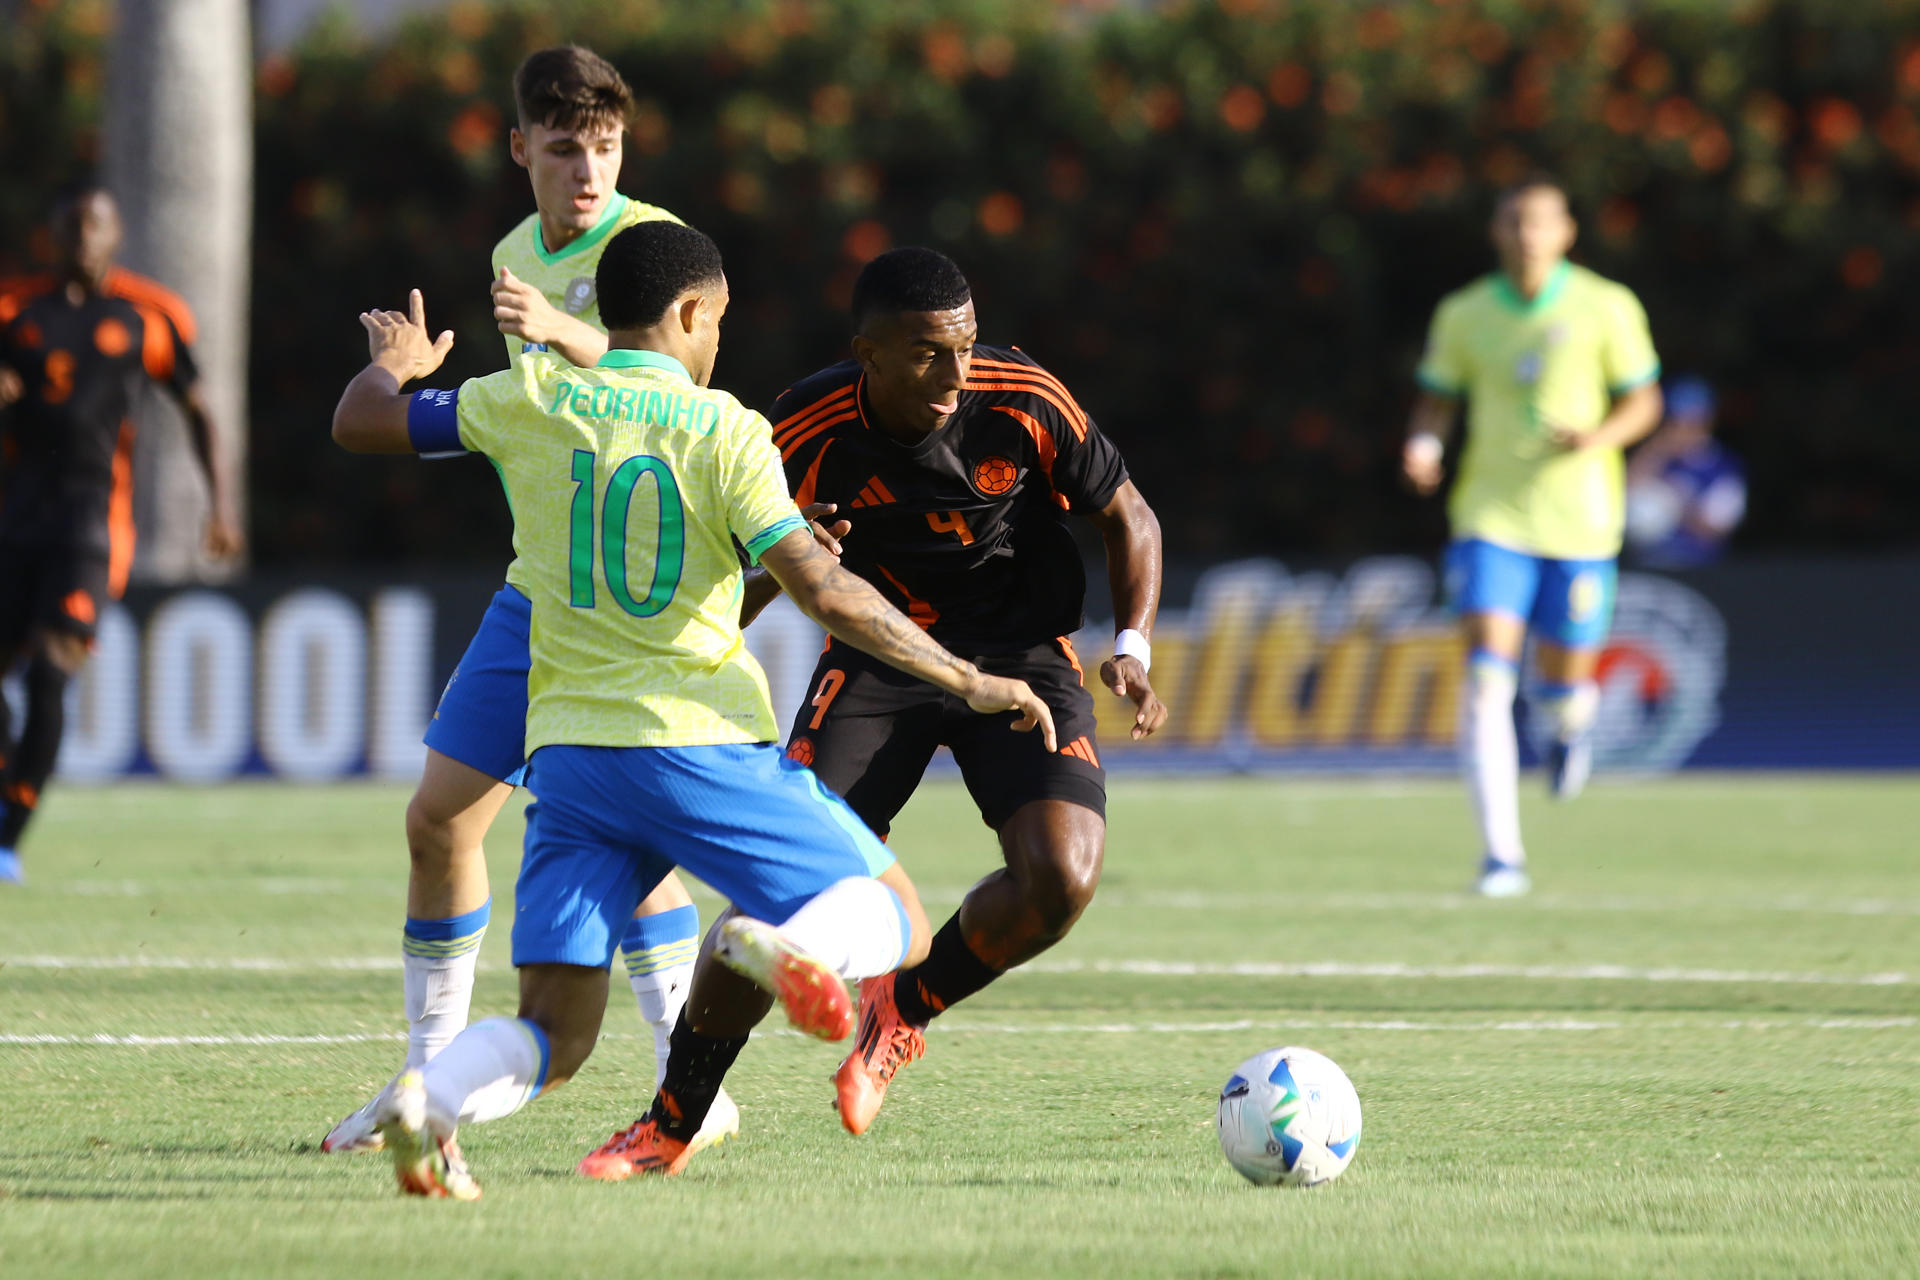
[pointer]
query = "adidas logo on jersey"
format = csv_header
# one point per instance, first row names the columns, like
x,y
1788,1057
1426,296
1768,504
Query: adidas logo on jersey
x,y
876,494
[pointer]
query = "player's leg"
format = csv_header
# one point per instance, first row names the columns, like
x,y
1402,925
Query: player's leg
x,y
1493,590
811,909
578,887
475,757
68,593
489,1071
1570,619
1049,812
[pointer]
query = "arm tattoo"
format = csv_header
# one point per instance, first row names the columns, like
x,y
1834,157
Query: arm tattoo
x,y
855,612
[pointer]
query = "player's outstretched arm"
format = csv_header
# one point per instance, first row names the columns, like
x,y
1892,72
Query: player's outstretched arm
x,y
1427,433
851,610
1132,535
372,414
761,588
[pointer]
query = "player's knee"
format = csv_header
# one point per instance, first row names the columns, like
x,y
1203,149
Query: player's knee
x,y
1067,877
429,837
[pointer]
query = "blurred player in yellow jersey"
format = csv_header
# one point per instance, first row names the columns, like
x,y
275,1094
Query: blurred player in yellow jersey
x,y
1559,375
572,108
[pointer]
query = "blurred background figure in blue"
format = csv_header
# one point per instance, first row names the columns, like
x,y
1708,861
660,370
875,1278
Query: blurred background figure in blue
x,y
1686,492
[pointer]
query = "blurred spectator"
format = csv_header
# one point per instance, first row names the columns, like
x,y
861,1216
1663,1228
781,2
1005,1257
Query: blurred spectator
x,y
1686,493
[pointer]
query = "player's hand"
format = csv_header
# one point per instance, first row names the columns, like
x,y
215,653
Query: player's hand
x,y
12,387
224,539
1421,465
522,310
1562,436
1128,679
399,342
827,535
994,694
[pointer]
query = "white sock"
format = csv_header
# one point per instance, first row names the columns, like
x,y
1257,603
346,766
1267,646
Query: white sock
x,y
662,994
1569,708
1490,756
438,959
660,950
856,926
491,1069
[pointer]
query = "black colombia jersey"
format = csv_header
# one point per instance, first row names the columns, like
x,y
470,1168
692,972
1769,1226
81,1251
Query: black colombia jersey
x,y
65,446
964,531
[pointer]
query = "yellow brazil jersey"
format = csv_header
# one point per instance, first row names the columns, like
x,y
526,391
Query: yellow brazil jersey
x,y
1523,366
630,484
566,277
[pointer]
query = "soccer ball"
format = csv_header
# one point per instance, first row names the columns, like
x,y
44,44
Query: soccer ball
x,y
1289,1117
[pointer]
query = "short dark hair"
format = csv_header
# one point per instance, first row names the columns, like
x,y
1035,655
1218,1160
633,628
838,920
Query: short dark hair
x,y
1532,180
73,192
908,279
569,87
649,265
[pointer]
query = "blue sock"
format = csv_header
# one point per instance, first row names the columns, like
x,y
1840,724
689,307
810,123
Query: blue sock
x,y
454,936
656,942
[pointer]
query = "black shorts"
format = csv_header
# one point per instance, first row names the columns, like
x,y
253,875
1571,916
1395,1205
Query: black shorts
x,y
52,588
868,732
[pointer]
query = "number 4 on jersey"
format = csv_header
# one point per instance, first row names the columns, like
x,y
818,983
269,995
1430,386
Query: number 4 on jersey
x,y
669,551
952,522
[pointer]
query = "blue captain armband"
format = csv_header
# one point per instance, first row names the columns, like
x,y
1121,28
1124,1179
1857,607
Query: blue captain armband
x,y
433,424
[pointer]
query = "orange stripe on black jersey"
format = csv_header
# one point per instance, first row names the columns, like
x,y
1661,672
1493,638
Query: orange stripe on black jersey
x,y
922,613
794,423
1042,383
803,496
137,289
156,343
1042,443
16,293
793,444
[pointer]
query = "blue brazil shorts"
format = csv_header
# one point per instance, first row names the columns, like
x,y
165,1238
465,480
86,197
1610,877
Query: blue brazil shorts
x,y
482,717
1569,602
608,822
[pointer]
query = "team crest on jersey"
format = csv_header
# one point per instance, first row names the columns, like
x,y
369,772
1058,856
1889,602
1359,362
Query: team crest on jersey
x,y
994,475
579,295
1526,370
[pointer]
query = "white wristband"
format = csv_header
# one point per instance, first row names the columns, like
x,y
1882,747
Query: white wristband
x,y
1131,644
1425,447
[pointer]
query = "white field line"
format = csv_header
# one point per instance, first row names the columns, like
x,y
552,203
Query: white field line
x,y
1176,900
1534,972
1131,968
1279,1026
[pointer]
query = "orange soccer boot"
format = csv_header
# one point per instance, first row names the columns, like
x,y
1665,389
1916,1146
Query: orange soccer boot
x,y
813,995
639,1148
886,1044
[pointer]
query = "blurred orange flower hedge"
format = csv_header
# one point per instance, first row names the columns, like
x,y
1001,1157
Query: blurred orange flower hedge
x,y
1225,224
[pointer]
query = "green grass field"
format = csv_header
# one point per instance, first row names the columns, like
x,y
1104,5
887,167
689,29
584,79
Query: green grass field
x,y
1693,1052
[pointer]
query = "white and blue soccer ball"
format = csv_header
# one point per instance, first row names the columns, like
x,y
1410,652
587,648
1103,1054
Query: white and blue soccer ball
x,y
1289,1117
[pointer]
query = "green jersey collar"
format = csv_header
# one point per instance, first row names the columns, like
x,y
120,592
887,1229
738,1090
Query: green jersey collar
x,y
608,218
634,359
1549,292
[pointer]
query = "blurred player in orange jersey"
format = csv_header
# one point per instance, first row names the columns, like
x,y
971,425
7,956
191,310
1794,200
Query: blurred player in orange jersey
x,y
72,345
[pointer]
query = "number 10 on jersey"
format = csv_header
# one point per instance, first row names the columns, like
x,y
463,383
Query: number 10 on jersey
x,y
615,505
